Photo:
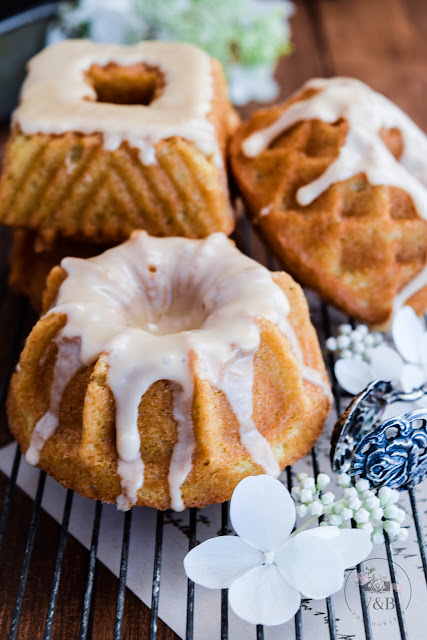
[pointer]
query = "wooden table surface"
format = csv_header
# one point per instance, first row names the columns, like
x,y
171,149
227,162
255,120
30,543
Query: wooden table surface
x,y
382,42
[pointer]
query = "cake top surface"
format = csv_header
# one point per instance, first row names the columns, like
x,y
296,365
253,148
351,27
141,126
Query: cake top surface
x,y
57,96
161,309
367,112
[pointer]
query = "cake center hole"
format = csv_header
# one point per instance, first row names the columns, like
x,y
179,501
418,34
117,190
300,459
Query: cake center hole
x,y
168,305
175,320
181,311
136,84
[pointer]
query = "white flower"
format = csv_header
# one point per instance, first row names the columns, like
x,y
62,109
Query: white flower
x,y
346,514
331,344
302,510
368,494
344,480
400,515
372,503
296,493
251,83
316,508
402,535
327,498
405,366
306,496
308,483
377,536
354,503
343,342
388,496
362,485
108,20
350,492
377,513
366,526
264,567
361,515
391,512
392,527
322,481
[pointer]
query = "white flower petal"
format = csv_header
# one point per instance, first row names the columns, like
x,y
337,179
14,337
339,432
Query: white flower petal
x,y
412,377
262,512
407,332
353,375
216,563
386,363
324,532
310,564
261,596
353,546
396,409
423,351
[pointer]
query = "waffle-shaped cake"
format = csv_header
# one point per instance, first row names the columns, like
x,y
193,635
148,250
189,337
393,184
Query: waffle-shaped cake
x,y
335,179
108,138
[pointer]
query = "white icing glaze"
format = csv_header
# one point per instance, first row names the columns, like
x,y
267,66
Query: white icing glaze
x,y
67,363
264,212
57,98
410,289
363,151
161,309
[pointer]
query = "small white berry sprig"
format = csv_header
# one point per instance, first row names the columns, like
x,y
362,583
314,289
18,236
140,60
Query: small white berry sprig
x,y
354,343
373,512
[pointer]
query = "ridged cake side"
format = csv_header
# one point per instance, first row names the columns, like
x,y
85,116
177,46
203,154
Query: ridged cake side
x,y
69,185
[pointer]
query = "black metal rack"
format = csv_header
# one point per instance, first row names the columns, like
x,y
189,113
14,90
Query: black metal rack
x,y
243,239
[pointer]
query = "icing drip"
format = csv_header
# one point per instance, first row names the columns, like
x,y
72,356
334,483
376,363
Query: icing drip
x,y
57,98
264,212
409,290
367,112
66,365
131,479
181,461
161,309
237,384
309,374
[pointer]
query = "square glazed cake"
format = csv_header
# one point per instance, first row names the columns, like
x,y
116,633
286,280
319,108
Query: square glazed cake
x,y
107,139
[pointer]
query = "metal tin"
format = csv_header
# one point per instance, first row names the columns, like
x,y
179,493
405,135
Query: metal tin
x,y
21,37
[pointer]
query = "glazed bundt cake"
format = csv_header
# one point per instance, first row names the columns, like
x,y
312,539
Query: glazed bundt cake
x,y
108,139
165,370
335,180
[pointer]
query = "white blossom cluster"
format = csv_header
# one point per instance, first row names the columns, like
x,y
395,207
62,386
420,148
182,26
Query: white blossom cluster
x,y
373,512
354,343
247,36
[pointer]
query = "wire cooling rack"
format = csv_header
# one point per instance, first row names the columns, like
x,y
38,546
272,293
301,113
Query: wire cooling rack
x,y
10,352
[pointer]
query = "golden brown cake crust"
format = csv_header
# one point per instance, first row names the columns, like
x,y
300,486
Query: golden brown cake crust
x,y
356,244
31,263
81,454
68,185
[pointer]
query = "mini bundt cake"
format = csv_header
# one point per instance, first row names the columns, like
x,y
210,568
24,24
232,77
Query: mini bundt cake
x,y
335,179
30,263
165,370
108,139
